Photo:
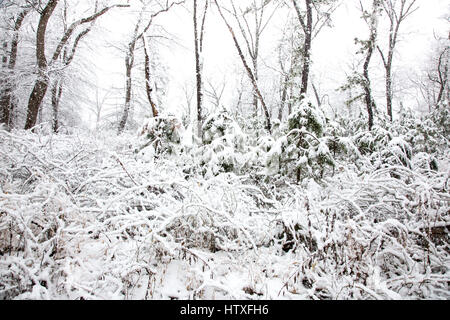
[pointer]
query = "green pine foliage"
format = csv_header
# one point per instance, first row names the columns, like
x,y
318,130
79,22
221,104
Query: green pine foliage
x,y
160,135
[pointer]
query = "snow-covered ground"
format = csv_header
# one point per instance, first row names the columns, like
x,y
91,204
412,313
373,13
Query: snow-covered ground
x,y
85,216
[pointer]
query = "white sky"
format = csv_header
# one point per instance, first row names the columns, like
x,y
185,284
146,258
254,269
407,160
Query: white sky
x,y
333,50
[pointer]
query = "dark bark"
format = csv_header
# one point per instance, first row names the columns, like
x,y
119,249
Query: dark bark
x,y
316,95
368,98
7,101
307,48
442,70
308,30
198,74
36,97
370,104
41,85
198,47
148,88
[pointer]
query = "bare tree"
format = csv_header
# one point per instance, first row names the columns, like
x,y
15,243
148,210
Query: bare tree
x,y
148,88
248,70
433,82
369,46
441,75
215,91
7,101
43,80
198,47
41,85
307,25
289,58
252,23
139,32
312,18
64,61
397,11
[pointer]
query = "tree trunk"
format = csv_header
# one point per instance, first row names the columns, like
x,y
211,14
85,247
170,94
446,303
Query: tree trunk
x,y
56,98
41,85
36,97
283,97
129,60
389,88
198,74
147,79
367,91
255,72
316,94
255,95
307,48
442,74
126,110
370,103
396,16
5,93
249,71
7,102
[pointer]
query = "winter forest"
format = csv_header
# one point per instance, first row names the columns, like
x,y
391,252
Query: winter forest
x,y
224,149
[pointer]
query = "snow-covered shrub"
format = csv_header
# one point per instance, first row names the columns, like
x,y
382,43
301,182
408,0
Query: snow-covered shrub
x,y
302,151
423,162
82,217
378,235
441,118
423,134
382,148
224,145
307,116
160,135
372,141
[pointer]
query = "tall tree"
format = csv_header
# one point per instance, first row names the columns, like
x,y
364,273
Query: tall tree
x,y
307,24
289,59
371,18
252,23
148,87
42,83
433,82
247,69
198,47
7,101
312,17
64,61
397,11
442,75
139,32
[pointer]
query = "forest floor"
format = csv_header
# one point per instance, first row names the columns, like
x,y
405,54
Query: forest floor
x,y
84,216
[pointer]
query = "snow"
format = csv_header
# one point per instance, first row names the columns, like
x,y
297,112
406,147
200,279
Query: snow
x,y
93,219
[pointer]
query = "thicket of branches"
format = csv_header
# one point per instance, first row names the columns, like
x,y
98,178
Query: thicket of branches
x,y
271,198
106,218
